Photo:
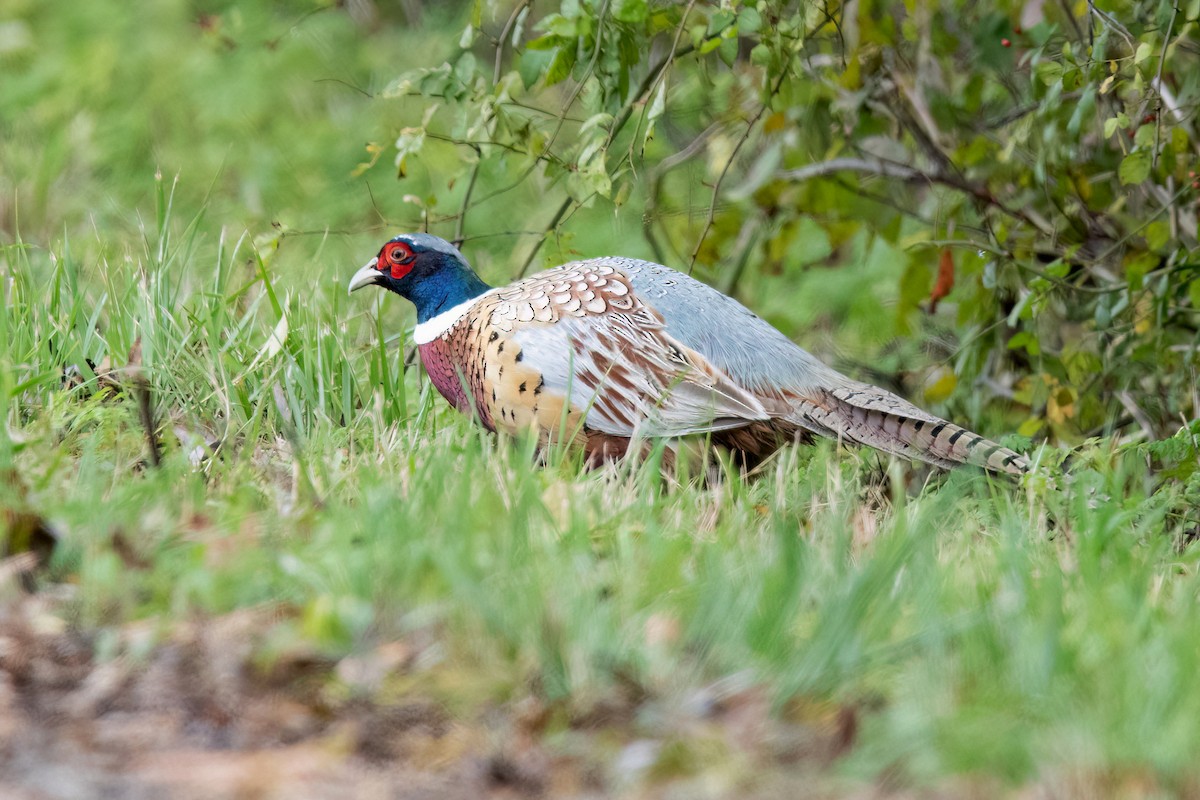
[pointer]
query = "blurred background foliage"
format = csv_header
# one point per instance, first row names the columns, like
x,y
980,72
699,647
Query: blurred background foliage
x,y
1013,184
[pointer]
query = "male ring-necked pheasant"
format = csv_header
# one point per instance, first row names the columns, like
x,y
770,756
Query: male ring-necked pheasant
x,y
613,350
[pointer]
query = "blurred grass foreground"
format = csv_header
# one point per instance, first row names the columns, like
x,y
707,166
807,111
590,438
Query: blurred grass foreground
x,y
248,553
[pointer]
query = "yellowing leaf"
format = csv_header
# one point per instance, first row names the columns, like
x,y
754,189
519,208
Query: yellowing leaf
x,y
775,123
720,150
1030,427
374,150
942,384
1060,406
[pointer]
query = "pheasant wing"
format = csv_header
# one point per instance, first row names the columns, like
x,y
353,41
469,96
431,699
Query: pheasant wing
x,y
592,339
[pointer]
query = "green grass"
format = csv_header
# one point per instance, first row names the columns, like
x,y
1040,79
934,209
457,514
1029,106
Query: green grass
x,y
1008,636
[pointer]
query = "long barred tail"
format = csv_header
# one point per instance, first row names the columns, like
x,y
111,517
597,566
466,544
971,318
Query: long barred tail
x,y
868,415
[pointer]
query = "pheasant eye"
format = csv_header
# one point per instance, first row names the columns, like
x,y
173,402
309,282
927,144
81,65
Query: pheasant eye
x,y
399,257
398,254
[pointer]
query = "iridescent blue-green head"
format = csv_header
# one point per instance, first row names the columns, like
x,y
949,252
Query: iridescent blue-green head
x,y
423,268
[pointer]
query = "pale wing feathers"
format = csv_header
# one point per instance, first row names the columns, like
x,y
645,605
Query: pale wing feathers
x,y
631,380
638,380
590,337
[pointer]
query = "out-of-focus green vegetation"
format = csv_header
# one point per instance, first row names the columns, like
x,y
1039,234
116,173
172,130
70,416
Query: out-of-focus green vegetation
x,y
1015,181
185,188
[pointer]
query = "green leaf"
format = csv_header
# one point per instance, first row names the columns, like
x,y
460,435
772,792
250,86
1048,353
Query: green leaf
x,y
1058,268
547,42
464,69
1025,339
1030,427
558,25
1049,72
1146,135
809,244
655,110
760,173
1158,233
1144,51
560,67
1083,110
1179,140
719,21
749,20
728,50
630,10
659,104
1135,167
1137,267
1110,127
533,64
596,122
431,81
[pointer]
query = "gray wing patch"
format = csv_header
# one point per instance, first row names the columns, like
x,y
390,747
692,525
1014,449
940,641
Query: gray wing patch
x,y
730,336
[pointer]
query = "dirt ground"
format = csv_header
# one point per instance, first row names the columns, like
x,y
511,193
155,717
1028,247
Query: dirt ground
x,y
193,716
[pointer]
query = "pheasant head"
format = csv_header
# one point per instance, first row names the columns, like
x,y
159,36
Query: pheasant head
x,y
427,270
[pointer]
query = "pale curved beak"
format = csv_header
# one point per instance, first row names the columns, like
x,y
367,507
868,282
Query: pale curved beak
x,y
367,276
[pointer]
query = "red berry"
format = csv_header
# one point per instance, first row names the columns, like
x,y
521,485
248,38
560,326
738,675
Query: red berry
x,y
1017,30
1191,173
1005,43
1148,119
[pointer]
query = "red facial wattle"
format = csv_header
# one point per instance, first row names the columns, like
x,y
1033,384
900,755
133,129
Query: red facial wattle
x,y
397,258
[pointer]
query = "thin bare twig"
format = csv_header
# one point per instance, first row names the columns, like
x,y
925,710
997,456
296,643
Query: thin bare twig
x,y
1156,83
745,242
145,405
660,75
461,224
1113,23
562,116
1135,411
533,251
712,204
521,8
618,123
848,164
145,402
651,214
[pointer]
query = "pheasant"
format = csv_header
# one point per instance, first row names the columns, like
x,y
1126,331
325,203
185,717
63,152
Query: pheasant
x,y
611,351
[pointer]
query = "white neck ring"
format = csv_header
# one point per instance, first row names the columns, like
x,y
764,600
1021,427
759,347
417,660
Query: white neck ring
x,y
438,325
